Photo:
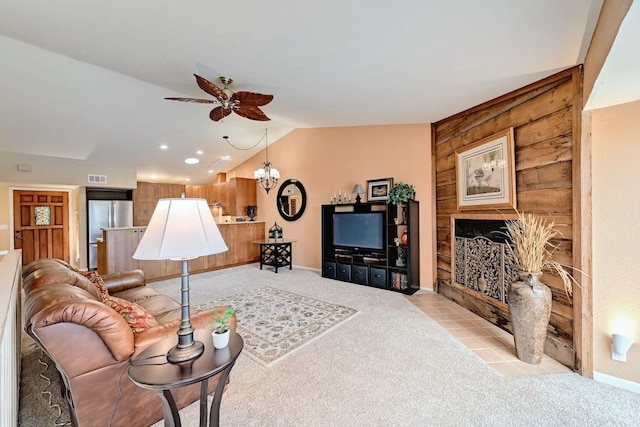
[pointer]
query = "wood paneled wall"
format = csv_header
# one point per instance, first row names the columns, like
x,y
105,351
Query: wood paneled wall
x,y
546,120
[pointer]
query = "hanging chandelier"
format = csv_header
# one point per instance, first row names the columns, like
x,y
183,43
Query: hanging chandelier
x,y
267,176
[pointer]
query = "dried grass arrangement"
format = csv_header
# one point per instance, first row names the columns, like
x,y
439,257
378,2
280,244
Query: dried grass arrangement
x,y
532,249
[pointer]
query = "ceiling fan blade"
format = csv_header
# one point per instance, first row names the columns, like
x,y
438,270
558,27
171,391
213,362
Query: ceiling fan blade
x,y
199,101
219,113
210,88
251,99
253,113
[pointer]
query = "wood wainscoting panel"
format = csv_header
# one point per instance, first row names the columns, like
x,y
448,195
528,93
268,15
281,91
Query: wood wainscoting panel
x,y
546,118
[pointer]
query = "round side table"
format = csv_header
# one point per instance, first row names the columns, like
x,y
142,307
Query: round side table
x,y
151,370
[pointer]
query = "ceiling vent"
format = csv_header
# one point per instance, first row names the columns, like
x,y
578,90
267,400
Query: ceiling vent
x,y
96,179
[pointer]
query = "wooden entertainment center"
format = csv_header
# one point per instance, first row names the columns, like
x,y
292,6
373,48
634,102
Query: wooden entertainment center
x,y
363,243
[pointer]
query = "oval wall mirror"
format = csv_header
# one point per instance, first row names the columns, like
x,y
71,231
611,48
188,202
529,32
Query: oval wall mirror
x,y
291,200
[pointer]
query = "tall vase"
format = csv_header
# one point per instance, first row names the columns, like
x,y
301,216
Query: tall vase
x,y
530,307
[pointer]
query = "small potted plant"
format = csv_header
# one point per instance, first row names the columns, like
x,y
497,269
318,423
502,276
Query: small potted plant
x,y
221,327
401,193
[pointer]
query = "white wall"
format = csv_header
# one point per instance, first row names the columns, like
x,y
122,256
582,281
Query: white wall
x,y
60,171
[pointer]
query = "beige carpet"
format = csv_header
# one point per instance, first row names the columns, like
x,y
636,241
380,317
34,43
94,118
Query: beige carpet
x,y
41,402
389,365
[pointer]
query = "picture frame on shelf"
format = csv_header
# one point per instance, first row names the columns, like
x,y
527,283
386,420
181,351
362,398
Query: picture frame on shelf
x,y
378,189
485,173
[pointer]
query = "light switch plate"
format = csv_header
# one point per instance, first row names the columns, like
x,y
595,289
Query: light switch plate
x,y
4,227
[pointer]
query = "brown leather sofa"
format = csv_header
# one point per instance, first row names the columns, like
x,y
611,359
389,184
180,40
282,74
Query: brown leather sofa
x,y
92,345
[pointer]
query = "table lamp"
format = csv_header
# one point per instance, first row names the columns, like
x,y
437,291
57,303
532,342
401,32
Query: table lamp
x,y
358,190
181,230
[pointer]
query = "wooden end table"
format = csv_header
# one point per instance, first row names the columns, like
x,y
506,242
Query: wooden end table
x,y
151,370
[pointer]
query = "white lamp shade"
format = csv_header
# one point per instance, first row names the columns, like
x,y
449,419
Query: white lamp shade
x,y
180,229
259,173
621,344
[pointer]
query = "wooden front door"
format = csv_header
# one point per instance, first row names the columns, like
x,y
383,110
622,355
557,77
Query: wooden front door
x,y
41,224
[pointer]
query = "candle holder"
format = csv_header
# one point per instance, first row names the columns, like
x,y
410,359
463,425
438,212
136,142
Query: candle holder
x,y
339,199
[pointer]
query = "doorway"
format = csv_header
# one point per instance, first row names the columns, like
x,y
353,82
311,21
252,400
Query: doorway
x,y
41,224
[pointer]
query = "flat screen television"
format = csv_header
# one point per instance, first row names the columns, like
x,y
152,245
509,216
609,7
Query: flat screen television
x,y
358,231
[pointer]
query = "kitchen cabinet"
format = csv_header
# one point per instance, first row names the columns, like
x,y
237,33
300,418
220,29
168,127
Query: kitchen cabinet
x,y
146,196
119,245
241,192
196,191
234,195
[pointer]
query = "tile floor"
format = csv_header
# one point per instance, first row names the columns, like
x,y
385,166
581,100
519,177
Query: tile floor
x,y
489,342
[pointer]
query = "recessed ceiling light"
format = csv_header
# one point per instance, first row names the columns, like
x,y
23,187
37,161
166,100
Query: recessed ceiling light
x,y
191,161
225,157
199,152
210,171
187,179
164,146
153,177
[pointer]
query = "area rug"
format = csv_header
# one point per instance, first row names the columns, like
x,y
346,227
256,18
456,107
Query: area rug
x,y
274,323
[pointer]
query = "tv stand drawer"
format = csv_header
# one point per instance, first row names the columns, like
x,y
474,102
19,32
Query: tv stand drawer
x,y
378,277
360,274
329,269
343,272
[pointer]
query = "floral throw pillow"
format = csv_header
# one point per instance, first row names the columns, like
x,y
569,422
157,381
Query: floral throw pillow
x,y
96,279
138,318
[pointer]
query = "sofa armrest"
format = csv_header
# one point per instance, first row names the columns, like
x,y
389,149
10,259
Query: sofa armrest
x,y
92,317
199,320
118,282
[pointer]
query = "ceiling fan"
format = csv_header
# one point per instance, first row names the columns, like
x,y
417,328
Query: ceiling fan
x,y
245,104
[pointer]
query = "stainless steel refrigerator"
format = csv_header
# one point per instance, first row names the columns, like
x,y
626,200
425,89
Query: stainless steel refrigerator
x,y
106,214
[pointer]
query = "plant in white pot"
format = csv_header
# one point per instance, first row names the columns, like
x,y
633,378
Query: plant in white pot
x,y
221,327
529,299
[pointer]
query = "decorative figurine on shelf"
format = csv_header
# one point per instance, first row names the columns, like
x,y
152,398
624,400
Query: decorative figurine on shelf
x,y
275,232
404,237
252,212
339,199
401,260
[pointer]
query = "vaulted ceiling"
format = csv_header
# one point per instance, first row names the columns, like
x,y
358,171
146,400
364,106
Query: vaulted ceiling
x,y
87,79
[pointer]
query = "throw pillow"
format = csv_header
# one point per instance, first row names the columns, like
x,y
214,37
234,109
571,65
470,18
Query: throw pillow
x,y
96,279
138,318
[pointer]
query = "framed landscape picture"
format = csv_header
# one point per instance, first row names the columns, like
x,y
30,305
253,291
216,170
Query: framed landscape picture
x,y
485,173
378,189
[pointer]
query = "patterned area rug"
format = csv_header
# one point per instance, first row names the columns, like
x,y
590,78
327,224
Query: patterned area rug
x,y
275,323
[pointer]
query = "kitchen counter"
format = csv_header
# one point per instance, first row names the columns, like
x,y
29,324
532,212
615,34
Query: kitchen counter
x,y
115,252
230,222
239,222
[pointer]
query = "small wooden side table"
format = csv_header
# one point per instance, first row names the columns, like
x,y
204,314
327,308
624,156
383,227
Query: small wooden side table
x,y
151,370
275,252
